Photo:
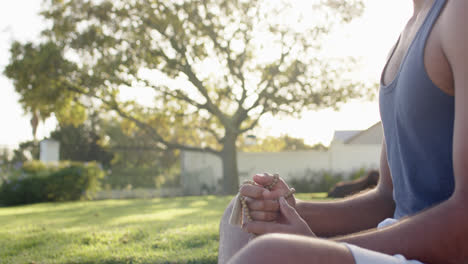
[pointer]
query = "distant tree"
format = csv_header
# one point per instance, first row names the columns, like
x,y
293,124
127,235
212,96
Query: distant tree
x,y
277,144
215,49
138,161
294,144
5,164
81,143
133,148
26,151
112,143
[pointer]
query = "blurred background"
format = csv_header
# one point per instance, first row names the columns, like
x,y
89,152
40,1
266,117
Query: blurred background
x,y
158,98
128,125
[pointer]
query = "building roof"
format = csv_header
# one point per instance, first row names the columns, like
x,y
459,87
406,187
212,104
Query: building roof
x,y
345,135
376,128
371,135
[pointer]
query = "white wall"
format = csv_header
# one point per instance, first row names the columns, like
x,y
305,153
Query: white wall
x,y
200,170
287,164
204,170
348,158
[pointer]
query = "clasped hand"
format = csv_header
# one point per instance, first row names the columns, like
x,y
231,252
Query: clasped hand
x,y
270,211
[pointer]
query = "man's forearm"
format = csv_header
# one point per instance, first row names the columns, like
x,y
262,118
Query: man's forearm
x,y
346,216
437,235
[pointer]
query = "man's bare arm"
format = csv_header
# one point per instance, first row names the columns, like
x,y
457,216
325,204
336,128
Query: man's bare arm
x,y
354,214
326,219
439,234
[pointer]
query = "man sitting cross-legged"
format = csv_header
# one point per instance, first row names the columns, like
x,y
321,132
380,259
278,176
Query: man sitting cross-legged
x,y
418,213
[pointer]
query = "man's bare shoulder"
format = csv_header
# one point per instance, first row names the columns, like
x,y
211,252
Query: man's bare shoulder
x,y
457,9
455,29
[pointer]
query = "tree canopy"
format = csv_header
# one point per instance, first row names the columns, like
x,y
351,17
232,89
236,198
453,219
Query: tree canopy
x,y
214,67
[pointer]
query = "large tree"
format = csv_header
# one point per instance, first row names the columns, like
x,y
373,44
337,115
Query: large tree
x,y
230,62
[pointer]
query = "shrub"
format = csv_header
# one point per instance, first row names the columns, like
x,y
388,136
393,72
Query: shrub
x,y
359,173
316,181
37,182
38,168
73,183
22,190
322,181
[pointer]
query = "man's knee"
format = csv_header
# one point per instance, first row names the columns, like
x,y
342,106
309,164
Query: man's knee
x,y
231,238
270,248
283,248
227,213
271,242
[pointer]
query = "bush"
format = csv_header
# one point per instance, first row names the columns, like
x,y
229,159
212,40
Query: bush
x,y
316,181
38,182
38,168
322,181
23,190
359,174
73,183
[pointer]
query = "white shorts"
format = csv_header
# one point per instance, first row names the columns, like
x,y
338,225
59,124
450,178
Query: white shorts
x,y
365,256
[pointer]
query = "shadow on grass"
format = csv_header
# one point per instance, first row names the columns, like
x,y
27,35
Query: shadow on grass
x,y
102,213
134,260
49,244
73,228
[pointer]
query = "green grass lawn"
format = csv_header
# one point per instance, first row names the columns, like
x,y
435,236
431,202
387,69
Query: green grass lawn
x,y
166,230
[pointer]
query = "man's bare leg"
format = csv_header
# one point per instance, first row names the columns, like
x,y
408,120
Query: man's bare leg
x,y
231,238
281,248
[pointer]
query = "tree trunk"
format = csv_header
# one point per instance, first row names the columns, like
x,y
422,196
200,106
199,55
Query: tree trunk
x,y
229,160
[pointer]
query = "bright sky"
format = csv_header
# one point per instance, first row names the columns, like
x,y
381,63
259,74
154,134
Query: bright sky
x,y
369,37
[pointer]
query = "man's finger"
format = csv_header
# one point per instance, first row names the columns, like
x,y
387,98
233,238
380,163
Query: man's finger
x,y
272,195
288,211
252,191
263,216
263,179
261,228
263,205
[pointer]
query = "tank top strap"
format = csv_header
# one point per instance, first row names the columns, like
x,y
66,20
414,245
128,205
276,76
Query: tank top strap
x,y
428,24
